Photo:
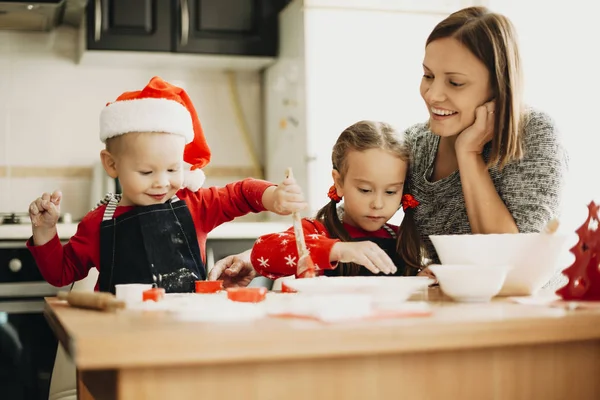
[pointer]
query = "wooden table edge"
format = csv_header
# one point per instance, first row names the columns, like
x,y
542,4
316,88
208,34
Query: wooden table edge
x,y
577,327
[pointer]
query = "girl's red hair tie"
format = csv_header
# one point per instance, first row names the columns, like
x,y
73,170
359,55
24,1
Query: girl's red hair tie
x,y
332,194
409,201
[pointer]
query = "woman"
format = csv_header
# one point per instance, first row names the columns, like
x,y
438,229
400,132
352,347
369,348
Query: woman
x,y
483,163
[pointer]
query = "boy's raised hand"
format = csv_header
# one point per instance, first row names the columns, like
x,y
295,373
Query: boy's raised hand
x,y
45,210
288,197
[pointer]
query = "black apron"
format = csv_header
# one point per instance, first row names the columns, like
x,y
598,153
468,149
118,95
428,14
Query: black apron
x,y
388,245
154,244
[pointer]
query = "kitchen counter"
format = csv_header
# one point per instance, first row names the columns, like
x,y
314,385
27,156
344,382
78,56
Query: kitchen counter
x,y
498,350
229,230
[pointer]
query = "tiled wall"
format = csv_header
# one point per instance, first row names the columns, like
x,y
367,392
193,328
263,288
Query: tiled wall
x,y
49,108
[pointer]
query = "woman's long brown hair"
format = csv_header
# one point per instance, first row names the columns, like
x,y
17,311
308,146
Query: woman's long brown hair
x,y
492,39
361,136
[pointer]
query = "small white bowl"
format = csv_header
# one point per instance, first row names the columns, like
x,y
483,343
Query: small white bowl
x,y
534,257
470,283
131,292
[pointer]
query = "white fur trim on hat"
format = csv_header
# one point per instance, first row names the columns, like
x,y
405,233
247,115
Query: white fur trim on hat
x,y
193,179
146,115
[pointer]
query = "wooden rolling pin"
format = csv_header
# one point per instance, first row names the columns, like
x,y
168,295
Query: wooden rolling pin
x,y
92,300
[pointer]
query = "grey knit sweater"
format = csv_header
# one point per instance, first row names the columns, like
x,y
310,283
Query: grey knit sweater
x,y
531,188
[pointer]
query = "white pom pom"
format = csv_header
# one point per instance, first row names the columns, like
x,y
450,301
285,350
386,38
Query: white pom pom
x,y
193,179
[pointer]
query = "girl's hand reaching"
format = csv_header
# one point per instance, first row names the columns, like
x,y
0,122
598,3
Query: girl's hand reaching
x,y
367,254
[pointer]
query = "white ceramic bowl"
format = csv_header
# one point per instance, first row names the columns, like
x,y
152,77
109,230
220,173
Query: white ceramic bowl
x,y
389,289
470,283
534,258
131,292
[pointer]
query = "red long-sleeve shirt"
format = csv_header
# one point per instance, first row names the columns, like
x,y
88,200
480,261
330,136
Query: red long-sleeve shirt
x,y
275,255
62,265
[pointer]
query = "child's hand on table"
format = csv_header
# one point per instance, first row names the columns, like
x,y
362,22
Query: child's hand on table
x,y
235,270
367,254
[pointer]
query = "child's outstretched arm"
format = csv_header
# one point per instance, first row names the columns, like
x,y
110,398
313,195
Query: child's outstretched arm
x,y
216,205
59,265
283,199
276,255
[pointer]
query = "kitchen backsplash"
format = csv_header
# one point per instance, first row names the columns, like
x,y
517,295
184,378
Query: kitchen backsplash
x,y
49,108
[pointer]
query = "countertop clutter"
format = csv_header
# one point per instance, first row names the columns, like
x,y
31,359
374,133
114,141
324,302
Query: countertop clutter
x,y
498,349
230,230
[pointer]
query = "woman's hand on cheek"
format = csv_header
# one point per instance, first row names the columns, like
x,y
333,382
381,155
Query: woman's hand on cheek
x,y
473,138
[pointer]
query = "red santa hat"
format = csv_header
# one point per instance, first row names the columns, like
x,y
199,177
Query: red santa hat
x,y
160,107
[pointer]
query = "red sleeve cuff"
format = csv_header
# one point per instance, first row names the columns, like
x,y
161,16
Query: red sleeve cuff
x,y
320,253
45,248
253,190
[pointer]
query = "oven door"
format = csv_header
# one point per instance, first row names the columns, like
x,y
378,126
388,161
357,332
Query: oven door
x,y
27,345
22,288
27,353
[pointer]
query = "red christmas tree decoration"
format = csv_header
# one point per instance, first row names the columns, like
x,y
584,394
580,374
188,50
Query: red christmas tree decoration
x,y
584,273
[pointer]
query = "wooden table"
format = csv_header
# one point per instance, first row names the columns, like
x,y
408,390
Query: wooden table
x,y
498,350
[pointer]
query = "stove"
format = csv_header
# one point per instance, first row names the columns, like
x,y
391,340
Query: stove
x,y
14,218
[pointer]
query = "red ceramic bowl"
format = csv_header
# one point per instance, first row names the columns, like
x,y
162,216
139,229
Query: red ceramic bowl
x,y
247,295
209,286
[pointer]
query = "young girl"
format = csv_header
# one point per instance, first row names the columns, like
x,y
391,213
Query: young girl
x,y
370,166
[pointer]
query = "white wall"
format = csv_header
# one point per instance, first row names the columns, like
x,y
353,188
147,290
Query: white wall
x,y
560,52
370,65
49,108
339,66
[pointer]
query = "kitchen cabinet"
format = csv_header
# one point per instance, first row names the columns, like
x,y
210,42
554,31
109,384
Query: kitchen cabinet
x,y
235,27
142,25
225,27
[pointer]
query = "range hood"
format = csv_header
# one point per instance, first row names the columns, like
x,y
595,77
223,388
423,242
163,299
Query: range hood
x,y
40,15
